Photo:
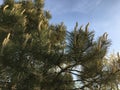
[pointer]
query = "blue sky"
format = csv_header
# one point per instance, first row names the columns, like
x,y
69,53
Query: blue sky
x,y
103,15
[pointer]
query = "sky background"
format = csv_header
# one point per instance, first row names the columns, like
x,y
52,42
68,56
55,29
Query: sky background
x,y
103,16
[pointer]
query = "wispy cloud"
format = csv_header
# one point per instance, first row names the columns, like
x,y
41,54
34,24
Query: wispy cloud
x,y
86,6
64,6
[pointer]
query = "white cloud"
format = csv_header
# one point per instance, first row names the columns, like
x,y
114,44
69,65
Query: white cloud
x,y
64,6
86,6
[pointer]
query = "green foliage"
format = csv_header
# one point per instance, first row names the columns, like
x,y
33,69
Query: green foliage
x,y
36,54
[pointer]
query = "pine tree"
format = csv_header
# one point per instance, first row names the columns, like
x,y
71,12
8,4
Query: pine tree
x,y
31,49
111,72
35,54
86,55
